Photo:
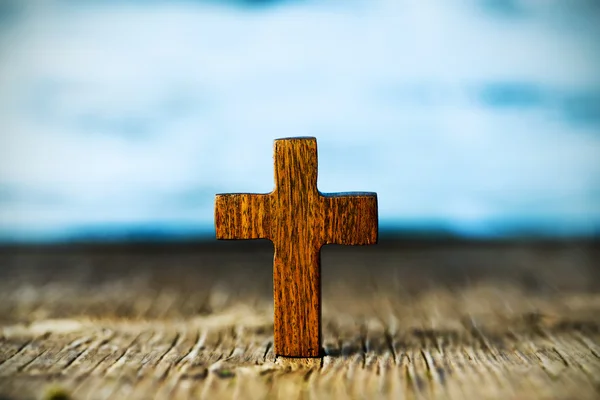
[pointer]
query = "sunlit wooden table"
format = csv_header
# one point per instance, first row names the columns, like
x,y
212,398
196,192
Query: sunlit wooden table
x,y
404,319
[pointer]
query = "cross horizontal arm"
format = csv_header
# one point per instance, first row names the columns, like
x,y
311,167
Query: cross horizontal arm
x,y
350,218
242,216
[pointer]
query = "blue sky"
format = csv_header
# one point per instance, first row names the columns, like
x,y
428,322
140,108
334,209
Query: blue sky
x,y
481,118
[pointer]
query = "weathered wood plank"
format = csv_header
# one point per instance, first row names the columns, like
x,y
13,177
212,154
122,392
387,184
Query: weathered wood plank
x,y
163,328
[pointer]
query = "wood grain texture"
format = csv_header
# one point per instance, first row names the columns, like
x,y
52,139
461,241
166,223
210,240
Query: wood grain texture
x,y
399,322
299,220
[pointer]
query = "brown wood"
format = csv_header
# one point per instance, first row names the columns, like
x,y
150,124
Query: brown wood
x,y
399,322
299,220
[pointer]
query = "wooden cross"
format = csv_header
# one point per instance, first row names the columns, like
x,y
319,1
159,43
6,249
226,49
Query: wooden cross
x,y
298,219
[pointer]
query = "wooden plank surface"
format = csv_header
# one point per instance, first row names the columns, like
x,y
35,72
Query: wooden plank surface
x,y
400,321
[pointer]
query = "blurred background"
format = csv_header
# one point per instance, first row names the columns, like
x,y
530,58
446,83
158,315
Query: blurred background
x,y
469,118
477,122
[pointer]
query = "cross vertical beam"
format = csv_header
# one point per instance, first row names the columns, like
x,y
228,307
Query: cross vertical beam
x,y
298,219
297,223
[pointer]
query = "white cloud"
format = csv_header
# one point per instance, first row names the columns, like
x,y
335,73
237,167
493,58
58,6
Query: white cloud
x,y
115,107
